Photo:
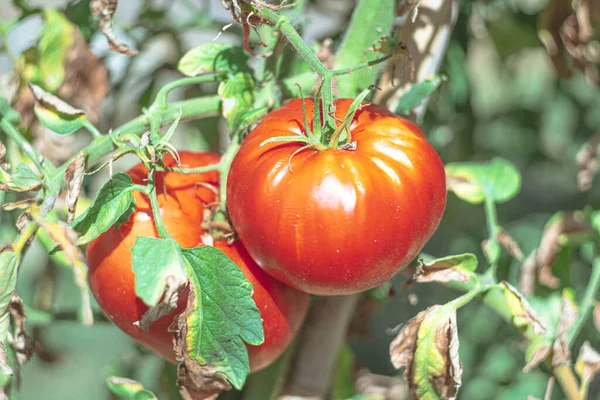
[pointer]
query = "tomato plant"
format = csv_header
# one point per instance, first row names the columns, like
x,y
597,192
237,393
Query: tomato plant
x,y
342,220
112,279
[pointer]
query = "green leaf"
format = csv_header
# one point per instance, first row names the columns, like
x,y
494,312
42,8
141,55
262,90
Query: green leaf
x,y
417,94
53,47
154,260
371,20
23,180
112,201
129,389
237,95
524,316
224,317
498,180
57,122
222,58
446,269
6,111
8,282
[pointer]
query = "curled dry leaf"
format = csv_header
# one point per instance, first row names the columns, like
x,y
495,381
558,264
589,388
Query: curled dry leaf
x,y
587,161
18,205
380,386
168,303
427,348
538,351
66,238
105,11
510,244
561,354
588,363
51,102
74,179
452,268
196,381
539,262
2,153
596,316
22,344
522,312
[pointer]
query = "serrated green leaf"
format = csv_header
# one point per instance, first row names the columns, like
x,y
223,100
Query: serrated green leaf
x,y
23,180
417,94
53,47
225,316
154,260
112,201
129,389
237,95
8,281
446,269
498,180
222,58
371,19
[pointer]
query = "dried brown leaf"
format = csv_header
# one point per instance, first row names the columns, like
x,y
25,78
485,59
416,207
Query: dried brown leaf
x,y
168,303
539,262
539,355
22,344
523,314
587,161
445,371
195,381
74,179
18,205
446,269
588,363
52,102
510,245
596,316
2,153
22,222
561,353
105,11
380,386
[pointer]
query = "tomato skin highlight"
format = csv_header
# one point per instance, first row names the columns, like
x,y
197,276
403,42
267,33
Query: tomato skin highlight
x,y
336,221
112,280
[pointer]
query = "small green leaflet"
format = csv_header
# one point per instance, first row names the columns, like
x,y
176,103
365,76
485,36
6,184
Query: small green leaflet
x,y
55,114
129,389
237,95
417,94
221,58
113,200
23,180
8,282
225,315
154,260
498,180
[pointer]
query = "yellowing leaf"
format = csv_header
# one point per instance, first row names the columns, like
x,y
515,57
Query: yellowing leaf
x,y
523,315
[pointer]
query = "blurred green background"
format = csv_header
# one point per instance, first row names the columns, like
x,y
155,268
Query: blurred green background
x,y
503,97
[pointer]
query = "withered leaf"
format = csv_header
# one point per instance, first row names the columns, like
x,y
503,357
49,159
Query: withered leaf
x,y
427,348
51,102
74,179
18,205
596,316
522,312
561,354
22,344
173,287
537,352
196,381
587,161
66,238
510,244
588,363
105,11
539,262
451,268
2,153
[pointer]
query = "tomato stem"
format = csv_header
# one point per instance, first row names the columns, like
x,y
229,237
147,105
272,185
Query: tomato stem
x,y
151,192
35,157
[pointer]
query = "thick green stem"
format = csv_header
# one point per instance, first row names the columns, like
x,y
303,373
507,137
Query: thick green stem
x,y
566,378
283,25
587,302
35,157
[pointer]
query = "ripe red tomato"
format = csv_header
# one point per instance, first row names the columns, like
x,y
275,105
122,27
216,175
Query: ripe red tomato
x,y
336,221
112,279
